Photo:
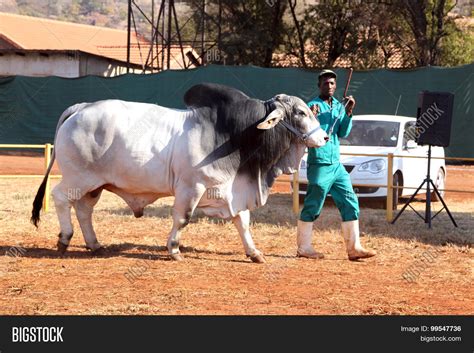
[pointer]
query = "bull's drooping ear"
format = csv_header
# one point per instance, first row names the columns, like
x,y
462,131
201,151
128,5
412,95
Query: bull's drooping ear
x,y
272,119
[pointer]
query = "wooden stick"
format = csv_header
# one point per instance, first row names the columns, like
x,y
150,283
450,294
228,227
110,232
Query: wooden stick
x,y
347,83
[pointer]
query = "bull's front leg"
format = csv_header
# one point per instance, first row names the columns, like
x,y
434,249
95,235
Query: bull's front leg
x,y
242,223
185,203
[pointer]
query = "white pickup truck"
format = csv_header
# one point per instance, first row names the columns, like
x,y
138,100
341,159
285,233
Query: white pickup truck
x,y
383,134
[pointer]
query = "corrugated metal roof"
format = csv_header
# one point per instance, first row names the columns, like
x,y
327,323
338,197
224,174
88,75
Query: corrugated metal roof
x,y
25,32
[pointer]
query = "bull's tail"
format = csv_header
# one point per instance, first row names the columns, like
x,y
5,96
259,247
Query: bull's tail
x,y
38,201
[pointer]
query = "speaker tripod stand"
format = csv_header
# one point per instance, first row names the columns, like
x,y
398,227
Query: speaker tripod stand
x,y
429,183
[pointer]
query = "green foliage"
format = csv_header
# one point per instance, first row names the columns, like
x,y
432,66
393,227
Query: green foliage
x,y
362,34
457,48
367,34
429,23
250,29
89,6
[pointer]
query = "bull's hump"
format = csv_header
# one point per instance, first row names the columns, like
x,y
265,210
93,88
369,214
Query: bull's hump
x,y
212,95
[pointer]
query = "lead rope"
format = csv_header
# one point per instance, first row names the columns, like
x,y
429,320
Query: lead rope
x,y
270,106
335,121
303,137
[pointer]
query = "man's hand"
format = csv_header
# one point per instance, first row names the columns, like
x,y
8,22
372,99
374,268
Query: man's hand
x,y
315,110
350,105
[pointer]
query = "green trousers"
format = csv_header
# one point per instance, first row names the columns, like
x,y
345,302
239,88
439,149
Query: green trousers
x,y
333,178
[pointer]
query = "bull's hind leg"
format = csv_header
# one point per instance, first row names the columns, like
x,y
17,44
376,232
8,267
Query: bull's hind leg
x,y
242,223
185,203
63,202
84,208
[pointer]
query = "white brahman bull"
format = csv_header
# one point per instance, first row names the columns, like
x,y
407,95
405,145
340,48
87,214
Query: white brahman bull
x,y
222,155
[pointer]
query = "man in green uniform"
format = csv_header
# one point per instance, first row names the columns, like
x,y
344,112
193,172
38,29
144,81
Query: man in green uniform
x,y
327,174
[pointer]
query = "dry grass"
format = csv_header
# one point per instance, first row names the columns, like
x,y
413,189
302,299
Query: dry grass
x,y
216,278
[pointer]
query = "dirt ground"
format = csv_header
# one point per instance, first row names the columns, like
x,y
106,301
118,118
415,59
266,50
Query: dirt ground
x,y
135,275
459,177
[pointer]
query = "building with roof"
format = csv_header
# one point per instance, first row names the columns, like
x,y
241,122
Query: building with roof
x,y
394,58
35,46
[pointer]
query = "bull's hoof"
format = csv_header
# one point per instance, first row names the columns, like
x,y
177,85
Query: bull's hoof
x,y
258,259
61,248
101,251
177,257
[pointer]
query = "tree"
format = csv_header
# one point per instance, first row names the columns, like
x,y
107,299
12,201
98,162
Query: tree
x,y
330,30
369,34
249,31
332,22
71,12
89,6
298,31
54,8
457,48
375,40
429,23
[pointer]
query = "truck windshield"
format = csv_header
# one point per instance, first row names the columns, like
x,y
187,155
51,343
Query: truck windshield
x,y
372,133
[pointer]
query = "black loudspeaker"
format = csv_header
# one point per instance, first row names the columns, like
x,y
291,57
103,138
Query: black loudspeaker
x,y
433,118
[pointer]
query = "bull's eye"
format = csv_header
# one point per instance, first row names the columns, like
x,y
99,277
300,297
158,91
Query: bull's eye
x,y
301,113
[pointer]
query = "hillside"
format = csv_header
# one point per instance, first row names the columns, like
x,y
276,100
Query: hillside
x,y
106,13
113,13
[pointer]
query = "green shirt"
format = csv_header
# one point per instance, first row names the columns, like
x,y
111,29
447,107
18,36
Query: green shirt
x,y
329,153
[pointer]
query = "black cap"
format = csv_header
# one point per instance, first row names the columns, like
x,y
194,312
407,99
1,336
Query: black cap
x,y
327,72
